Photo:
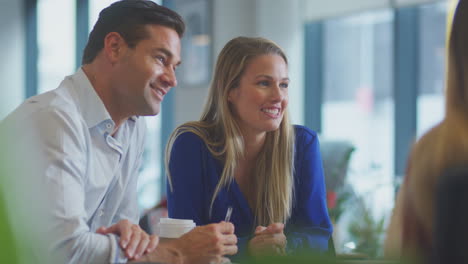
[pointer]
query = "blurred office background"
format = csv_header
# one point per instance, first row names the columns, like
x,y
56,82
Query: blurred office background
x,y
367,72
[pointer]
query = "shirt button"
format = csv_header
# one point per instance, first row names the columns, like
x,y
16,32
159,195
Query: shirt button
x,y
108,125
101,212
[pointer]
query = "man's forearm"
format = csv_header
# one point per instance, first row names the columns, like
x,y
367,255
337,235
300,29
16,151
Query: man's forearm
x,y
89,248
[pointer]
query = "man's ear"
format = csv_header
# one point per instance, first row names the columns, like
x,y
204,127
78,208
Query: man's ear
x,y
114,46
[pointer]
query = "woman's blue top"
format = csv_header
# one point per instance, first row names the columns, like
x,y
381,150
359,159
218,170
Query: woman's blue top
x,y
195,174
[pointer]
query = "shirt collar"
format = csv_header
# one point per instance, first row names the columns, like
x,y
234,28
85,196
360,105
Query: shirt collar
x,y
93,109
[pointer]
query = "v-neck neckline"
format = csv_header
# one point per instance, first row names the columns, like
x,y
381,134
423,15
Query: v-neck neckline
x,y
236,193
242,200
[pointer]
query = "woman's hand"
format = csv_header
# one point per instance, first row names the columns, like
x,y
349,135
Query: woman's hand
x,y
268,240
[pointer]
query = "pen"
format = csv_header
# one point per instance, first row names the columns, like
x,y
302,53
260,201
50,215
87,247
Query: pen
x,y
228,214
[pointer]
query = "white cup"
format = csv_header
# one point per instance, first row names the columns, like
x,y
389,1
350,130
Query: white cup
x,y
174,228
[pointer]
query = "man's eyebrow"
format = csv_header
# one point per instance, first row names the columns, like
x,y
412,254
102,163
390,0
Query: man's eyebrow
x,y
167,53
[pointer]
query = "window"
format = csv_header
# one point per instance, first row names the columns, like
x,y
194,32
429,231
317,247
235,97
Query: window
x,y
12,71
358,104
95,7
431,100
56,41
149,181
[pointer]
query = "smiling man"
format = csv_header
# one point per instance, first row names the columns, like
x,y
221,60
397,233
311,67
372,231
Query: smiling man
x,y
86,139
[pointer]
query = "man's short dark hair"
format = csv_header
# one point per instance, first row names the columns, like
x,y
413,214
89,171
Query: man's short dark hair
x,y
129,18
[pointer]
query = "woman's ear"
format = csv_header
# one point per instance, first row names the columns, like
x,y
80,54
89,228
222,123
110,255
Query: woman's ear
x,y
232,94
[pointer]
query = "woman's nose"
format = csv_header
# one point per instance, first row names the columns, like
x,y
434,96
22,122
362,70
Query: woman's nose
x,y
278,93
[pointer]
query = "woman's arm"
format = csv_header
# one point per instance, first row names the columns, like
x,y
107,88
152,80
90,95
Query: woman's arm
x,y
310,226
185,200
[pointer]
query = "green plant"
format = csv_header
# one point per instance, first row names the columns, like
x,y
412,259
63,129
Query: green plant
x,y
306,257
366,231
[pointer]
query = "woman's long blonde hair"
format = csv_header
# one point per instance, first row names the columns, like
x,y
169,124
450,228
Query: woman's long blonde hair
x,y
444,146
273,181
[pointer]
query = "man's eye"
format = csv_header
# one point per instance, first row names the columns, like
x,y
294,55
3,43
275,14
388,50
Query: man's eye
x,y
284,85
161,59
263,83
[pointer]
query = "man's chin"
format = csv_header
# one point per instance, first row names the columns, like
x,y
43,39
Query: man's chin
x,y
149,113
152,111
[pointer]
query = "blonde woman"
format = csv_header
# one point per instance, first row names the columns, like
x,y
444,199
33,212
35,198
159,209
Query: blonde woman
x,y
244,154
410,233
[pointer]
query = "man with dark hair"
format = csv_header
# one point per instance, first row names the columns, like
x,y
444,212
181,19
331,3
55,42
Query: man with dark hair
x,y
129,19
89,140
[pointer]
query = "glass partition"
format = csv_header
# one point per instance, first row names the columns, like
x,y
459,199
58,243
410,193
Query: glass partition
x,y
358,108
56,42
431,102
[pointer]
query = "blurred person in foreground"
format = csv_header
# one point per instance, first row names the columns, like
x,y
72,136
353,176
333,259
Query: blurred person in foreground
x,y
84,142
23,238
9,248
411,229
243,153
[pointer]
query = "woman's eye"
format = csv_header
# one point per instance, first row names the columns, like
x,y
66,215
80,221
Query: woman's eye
x,y
284,85
263,83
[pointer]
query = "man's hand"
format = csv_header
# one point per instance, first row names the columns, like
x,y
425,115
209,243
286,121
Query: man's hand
x,y
207,244
268,240
133,240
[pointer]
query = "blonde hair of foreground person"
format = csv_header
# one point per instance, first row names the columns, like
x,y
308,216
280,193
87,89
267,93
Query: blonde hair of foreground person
x,y
218,128
409,234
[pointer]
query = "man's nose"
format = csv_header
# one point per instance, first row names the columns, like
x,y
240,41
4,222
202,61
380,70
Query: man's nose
x,y
169,78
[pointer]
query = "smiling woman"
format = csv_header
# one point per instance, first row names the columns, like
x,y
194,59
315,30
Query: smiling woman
x,y
261,98
244,153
